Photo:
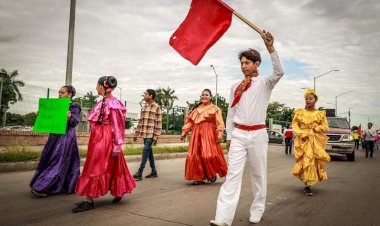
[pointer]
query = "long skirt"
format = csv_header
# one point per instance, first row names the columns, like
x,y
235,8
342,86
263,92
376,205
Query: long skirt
x,y
102,172
58,169
205,157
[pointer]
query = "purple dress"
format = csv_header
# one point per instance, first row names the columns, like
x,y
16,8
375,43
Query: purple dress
x,y
58,170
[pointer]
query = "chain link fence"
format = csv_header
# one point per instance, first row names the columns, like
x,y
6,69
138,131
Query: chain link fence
x,y
21,115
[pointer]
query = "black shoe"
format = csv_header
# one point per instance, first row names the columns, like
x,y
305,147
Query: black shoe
x,y
307,191
137,176
116,199
212,179
197,182
152,175
38,194
84,206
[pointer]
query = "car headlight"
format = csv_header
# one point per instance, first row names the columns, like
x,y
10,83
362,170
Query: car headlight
x,y
347,138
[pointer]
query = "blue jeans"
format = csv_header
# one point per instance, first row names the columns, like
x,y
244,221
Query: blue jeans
x,y
147,154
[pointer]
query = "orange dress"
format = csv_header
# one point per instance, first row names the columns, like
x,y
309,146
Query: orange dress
x,y
205,157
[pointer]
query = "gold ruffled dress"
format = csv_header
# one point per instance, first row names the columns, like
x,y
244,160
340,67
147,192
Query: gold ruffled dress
x,y
310,154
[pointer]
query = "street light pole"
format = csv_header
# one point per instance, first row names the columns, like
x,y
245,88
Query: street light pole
x,y
336,101
216,85
315,77
70,48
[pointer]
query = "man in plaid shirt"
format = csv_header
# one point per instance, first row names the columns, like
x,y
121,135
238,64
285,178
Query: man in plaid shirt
x,y
149,128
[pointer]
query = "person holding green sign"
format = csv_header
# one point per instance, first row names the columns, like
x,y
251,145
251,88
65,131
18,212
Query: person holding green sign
x,y
58,170
105,167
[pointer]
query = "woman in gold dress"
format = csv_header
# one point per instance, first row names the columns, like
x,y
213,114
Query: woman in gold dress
x,y
311,157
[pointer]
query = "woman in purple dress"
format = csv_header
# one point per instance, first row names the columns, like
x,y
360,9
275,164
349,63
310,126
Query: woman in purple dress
x,y
58,170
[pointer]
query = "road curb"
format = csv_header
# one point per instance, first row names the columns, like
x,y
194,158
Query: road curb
x,y
32,165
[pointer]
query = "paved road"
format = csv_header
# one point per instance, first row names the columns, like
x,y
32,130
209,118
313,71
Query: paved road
x,y
350,197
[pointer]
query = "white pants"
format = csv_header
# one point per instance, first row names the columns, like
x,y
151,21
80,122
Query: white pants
x,y
243,143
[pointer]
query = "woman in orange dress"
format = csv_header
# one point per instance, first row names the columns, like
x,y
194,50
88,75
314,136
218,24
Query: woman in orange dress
x,y
309,143
205,157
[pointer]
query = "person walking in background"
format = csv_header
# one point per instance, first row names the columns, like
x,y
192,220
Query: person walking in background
x,y
309,143
58,169
288,139
205,157
149,128
355,134
369,140
105,168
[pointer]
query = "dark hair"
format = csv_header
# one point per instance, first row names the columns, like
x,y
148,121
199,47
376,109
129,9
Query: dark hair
x,y
109,83
200,102
152,93
251,54
70,89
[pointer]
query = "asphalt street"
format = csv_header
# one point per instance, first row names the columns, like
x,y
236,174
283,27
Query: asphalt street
x,y
350,196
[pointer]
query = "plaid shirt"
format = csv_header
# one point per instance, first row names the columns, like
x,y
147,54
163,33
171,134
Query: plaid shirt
x,y
149,125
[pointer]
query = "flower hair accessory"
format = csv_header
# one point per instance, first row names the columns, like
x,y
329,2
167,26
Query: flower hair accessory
x,y
310,91
106,86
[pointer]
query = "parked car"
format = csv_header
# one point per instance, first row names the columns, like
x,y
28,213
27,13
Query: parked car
x,y
20,128
340,136
275,137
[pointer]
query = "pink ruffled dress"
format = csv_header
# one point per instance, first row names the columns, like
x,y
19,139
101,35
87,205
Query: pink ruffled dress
x,y
103,172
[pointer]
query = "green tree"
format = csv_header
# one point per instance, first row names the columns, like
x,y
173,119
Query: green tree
x,y
10,92
87,101
165,98
14,119
30,118
279,112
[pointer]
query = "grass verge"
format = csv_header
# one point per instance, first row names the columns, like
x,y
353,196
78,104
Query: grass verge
x,y
16,153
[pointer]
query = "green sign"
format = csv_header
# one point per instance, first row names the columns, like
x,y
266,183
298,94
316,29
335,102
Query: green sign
x,y
52,115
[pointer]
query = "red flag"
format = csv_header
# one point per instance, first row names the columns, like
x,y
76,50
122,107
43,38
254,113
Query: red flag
x,y
360,132
205,23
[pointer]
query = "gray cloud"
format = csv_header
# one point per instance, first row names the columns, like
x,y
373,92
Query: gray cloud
x,y
129,39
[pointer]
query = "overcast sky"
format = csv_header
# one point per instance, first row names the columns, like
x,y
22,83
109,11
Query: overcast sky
x,y
129,40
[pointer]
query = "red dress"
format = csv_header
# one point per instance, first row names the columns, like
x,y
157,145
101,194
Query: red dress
x,y
102,172
205,157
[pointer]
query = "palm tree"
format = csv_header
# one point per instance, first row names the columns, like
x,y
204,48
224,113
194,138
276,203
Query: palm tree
x,y
10,92
90,98
165,98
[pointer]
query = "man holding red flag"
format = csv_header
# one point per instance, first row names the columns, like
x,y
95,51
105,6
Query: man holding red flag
x,y
247,136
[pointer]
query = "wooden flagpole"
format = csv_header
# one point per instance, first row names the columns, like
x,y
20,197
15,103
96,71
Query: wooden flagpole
x,y
249,23
241,17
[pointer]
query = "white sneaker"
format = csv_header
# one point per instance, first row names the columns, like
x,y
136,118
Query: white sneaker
x,y
217,223
254,220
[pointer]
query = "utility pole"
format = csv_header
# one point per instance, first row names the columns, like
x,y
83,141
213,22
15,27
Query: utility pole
x,y
70,48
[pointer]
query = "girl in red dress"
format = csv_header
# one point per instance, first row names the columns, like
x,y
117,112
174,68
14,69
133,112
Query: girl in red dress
x,y
105,168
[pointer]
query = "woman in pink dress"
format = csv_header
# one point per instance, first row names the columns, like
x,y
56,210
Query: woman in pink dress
x,y
105,168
